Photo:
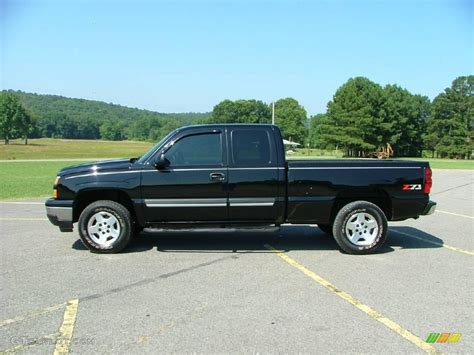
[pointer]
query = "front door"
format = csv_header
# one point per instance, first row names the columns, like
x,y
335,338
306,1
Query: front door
x,y
194,186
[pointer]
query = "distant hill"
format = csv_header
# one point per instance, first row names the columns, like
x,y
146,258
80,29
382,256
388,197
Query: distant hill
x,y
64,117
44,105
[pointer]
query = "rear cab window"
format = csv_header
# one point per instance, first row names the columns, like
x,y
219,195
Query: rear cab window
x,y
252,148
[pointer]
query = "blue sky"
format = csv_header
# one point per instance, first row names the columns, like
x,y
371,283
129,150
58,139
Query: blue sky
x,y
176,56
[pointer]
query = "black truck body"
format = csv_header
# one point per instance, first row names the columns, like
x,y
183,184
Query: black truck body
x,y
236,175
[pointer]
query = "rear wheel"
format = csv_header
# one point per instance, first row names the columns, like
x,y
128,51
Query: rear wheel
x,y
105,227
360,227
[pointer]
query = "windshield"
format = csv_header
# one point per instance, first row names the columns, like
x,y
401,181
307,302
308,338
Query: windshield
x,y
152,151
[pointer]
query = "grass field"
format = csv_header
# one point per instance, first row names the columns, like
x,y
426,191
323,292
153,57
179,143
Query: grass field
x,y
447,163
48,148
35,178
29,179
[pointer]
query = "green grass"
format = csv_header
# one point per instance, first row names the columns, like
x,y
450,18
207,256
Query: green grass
x,y
48,148
447,163
29,179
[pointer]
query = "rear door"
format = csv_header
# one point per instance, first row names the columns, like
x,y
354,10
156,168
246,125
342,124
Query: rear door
x,y
193,187
253,174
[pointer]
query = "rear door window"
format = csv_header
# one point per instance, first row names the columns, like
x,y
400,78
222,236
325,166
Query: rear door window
x,y
251,148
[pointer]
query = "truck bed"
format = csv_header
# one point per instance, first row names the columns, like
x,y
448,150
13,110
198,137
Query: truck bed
x,y
315,186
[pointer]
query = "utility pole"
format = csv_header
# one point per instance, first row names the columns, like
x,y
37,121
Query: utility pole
x,y
273,112
309,137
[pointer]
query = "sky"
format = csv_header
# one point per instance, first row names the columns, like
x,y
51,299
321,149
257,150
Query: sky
x,y
183,56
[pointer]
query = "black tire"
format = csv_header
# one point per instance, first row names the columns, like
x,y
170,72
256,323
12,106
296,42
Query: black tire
x,y
326,228
123,217
349,214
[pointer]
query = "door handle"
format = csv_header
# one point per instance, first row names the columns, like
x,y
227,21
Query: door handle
x,y
217,176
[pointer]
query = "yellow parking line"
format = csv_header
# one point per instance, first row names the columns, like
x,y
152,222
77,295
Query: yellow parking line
x,y
455,214
397,328
22,219
32,314
447,246
67,328
23,347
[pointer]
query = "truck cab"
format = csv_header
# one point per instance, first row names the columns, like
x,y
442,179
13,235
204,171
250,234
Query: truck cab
x,y
215,174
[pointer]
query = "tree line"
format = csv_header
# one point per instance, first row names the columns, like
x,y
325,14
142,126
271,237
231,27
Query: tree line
x,y
362,117
54,116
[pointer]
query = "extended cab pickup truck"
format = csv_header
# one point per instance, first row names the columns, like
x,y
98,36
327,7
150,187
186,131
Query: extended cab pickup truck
x,y
231,175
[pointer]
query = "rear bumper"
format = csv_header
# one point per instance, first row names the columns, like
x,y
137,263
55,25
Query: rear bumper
x,y
430,208
59,213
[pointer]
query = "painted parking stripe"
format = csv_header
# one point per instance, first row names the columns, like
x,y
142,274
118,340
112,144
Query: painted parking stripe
x,y
62,338
447,246
67,328
455,214
32,314
397,328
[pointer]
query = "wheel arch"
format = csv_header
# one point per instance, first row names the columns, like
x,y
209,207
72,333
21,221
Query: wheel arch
x,y
88,196
378,197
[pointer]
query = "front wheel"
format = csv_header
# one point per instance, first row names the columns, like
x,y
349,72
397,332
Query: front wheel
x,y
105,227
360,227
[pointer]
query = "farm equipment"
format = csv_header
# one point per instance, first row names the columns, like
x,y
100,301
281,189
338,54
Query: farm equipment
x,y
383,152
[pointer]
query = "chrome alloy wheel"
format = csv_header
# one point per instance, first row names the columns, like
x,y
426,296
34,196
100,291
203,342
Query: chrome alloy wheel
x,y
103,228
362,229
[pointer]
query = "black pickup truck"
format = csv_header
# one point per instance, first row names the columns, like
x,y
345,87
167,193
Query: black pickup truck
x,y
231,175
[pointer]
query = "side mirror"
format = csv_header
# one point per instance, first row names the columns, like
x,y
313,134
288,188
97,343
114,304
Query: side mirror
x,y
161,162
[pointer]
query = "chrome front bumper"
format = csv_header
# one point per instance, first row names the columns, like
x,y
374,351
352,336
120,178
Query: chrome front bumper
x,y
60,214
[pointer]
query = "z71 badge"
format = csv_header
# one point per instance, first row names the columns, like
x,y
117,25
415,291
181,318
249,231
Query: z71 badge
x,y
407,187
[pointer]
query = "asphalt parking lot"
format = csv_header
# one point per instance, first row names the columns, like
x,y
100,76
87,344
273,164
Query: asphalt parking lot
x,y
291,291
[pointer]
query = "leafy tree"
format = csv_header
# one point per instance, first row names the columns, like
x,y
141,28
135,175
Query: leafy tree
x,y
241,111
404,120
411,141
363,117
145,128
88,128
7,115
14,120
66,126
167,126
113,132
354,117
47,126
24,123
318,124
450,124
291,117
